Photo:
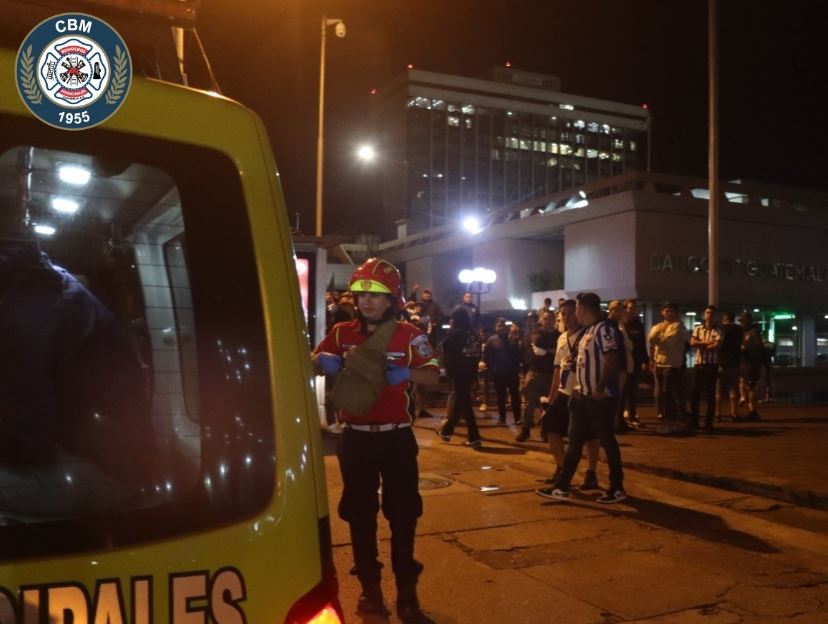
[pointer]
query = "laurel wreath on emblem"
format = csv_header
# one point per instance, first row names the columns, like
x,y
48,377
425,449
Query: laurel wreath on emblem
x,y
116,87
27,78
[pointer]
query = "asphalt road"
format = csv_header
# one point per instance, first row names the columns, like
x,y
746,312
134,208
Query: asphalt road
x,y
675,552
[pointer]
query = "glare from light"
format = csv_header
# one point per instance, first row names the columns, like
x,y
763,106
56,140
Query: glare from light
x,y
794,328
478,274
73,174
691,314
366,153
755,309
472,225
517,304
65,205
45,230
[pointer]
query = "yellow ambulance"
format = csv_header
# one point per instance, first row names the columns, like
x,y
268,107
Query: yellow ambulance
x,y
160,455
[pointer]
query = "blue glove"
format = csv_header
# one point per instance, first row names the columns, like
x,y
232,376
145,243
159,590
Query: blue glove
x,y
329,363
397,374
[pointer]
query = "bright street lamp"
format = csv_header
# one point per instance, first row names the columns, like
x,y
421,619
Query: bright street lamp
x,y
339,29
366,153
478,281
472,225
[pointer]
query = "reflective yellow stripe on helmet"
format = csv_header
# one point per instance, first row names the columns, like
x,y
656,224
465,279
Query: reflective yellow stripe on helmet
x,y
366,285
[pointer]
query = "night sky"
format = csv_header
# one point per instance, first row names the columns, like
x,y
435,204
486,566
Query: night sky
x,y
772,63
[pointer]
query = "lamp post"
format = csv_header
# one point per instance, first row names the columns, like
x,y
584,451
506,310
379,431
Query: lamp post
x,y
339,29
478,281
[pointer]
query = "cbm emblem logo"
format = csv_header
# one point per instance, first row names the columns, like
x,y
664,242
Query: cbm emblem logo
x,y
73,71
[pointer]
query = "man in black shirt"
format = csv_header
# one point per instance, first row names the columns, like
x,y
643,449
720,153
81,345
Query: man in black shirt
x,y
729,357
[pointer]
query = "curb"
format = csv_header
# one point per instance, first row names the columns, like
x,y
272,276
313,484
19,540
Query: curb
x,y
801,498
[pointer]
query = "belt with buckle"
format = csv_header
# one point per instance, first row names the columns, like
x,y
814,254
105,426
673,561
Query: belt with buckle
x,y
375,428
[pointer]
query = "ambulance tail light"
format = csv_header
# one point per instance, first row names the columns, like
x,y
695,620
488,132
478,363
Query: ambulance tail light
x,y
328,615
319,606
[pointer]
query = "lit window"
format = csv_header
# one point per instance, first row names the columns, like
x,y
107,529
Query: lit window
x,y
508,113
566,150
552,162
605,129
566,106
591,153
593,127
603,155
618,144
579,152
512,142
552,148
468,109
616,158
632,146
579,124
438,104
467,122
540,146
525,145
453,121
495,154
452,108
579,139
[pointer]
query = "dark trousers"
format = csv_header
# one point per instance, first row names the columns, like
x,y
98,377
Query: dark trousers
x,y
462,408
364,459
669,392
588,419
704,382
629,396
510,384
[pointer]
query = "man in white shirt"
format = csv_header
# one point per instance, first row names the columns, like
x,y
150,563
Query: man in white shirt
x,y
668,344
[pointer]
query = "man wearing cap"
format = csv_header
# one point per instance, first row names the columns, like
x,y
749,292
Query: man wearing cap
x,y
668,343
378,445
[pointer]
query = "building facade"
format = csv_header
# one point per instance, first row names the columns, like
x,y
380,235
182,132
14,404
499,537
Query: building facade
x,y
644,236
453,146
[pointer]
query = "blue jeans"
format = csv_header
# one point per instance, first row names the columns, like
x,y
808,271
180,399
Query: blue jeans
x,y
590,418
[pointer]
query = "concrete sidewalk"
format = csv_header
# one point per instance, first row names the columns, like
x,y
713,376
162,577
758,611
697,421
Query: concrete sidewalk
x,y
782,457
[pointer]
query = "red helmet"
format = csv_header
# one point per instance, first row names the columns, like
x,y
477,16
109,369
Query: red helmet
x,y
378,276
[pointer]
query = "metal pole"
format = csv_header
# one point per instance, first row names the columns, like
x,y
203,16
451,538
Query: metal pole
x,y
320,136
713,156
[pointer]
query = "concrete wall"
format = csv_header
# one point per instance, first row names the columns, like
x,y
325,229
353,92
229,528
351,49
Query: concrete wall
x,y
513,260
760,263
600,256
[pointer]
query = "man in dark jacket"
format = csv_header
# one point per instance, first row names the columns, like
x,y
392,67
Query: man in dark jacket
x,y
539,364
729,357
641,362
461,355
502,358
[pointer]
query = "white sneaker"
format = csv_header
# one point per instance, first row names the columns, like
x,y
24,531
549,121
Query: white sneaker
x,y
612,496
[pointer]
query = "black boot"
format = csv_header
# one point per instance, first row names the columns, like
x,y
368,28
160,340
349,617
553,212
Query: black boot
x,y
408,607
370,601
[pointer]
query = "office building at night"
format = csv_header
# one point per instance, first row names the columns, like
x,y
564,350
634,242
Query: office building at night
x,y
453,146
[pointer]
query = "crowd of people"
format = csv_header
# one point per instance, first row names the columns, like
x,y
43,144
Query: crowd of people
x,y
575,369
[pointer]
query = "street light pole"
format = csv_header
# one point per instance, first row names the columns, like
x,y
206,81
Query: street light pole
x,y
713,157
320,140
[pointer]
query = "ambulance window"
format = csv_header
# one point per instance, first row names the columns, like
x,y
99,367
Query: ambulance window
x,y
134,393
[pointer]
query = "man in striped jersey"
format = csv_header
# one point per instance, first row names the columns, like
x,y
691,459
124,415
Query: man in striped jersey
x,y
594,397
706,340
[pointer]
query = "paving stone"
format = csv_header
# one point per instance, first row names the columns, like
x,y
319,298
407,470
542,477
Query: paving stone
x,y
635,585
778,601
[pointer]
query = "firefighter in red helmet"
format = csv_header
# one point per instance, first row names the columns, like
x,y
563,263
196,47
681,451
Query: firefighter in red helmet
x,y
378,445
